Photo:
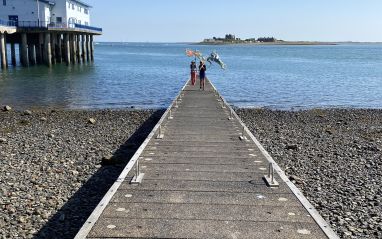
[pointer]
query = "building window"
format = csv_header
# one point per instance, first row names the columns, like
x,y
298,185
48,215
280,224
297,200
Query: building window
x,y
86,11
5,2
86,24
59,19
73,6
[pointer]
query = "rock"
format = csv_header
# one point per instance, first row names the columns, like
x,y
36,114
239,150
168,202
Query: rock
x,y
43,119
291,147
2,140
22,220
295,179
107,160
91,121
7,108
51,136
45,215
27,112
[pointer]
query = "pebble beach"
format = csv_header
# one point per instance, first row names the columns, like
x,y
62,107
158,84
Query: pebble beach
x,y
56,165
334,156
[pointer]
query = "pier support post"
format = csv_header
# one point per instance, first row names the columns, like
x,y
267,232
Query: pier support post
x,y
24,50
13,54
73,47
39,55
54,42
3,47
91,48
66,48
70,36
83,46
78,39
32,54
47,50
6,51
87,48
59,48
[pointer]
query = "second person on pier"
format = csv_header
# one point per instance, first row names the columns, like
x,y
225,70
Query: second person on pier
x,y
193,72
202,74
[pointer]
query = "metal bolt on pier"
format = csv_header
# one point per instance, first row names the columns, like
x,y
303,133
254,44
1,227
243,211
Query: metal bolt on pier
x,y
160,134
270,178
170,115
137,179
230,115
242,136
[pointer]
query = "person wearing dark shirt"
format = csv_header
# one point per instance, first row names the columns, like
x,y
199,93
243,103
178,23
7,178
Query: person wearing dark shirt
x,y
202,74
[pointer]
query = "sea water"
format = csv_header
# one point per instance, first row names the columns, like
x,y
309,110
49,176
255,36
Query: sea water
x,y
149,75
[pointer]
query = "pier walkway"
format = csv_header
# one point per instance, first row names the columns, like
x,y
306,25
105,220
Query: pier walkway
x,y
203,178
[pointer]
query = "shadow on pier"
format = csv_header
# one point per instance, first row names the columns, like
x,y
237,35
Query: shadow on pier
x,y
69,219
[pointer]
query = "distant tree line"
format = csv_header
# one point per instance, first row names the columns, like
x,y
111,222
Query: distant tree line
x,y
232,38
266,39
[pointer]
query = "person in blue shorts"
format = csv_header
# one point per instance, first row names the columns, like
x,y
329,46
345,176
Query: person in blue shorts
x,y
202,74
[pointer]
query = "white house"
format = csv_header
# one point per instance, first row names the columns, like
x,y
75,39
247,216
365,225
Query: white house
x,y
45,12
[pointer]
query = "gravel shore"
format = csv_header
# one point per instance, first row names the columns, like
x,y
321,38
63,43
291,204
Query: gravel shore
x,y
51,170
334,156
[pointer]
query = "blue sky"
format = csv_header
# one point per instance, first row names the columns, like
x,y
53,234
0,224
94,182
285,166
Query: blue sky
x,y
191,21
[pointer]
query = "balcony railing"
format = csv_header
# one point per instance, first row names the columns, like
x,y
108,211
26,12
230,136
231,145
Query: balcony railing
x,y
76,25
7,23
32,24
47,24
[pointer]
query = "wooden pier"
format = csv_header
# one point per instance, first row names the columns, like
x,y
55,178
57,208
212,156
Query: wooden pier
x,y
202,174
45,44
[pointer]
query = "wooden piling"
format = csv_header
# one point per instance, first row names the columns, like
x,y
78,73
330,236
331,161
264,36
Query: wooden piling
x,y
91,48
24,50
39,47
13,54
59,48
47,50
66,48
83,46
87,47
32,54
78,39
73,48
54,43
3,48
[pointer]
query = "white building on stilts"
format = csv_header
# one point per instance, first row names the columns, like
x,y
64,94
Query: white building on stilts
x,y
47,31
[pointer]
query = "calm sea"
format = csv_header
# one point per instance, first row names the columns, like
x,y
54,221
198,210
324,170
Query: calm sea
x,y
146,75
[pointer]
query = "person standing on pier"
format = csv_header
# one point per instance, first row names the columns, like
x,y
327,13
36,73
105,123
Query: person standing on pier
x,y
193,72
202,74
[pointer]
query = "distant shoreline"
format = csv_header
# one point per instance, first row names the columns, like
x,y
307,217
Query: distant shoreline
x,y
288,43
257,43
295,43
